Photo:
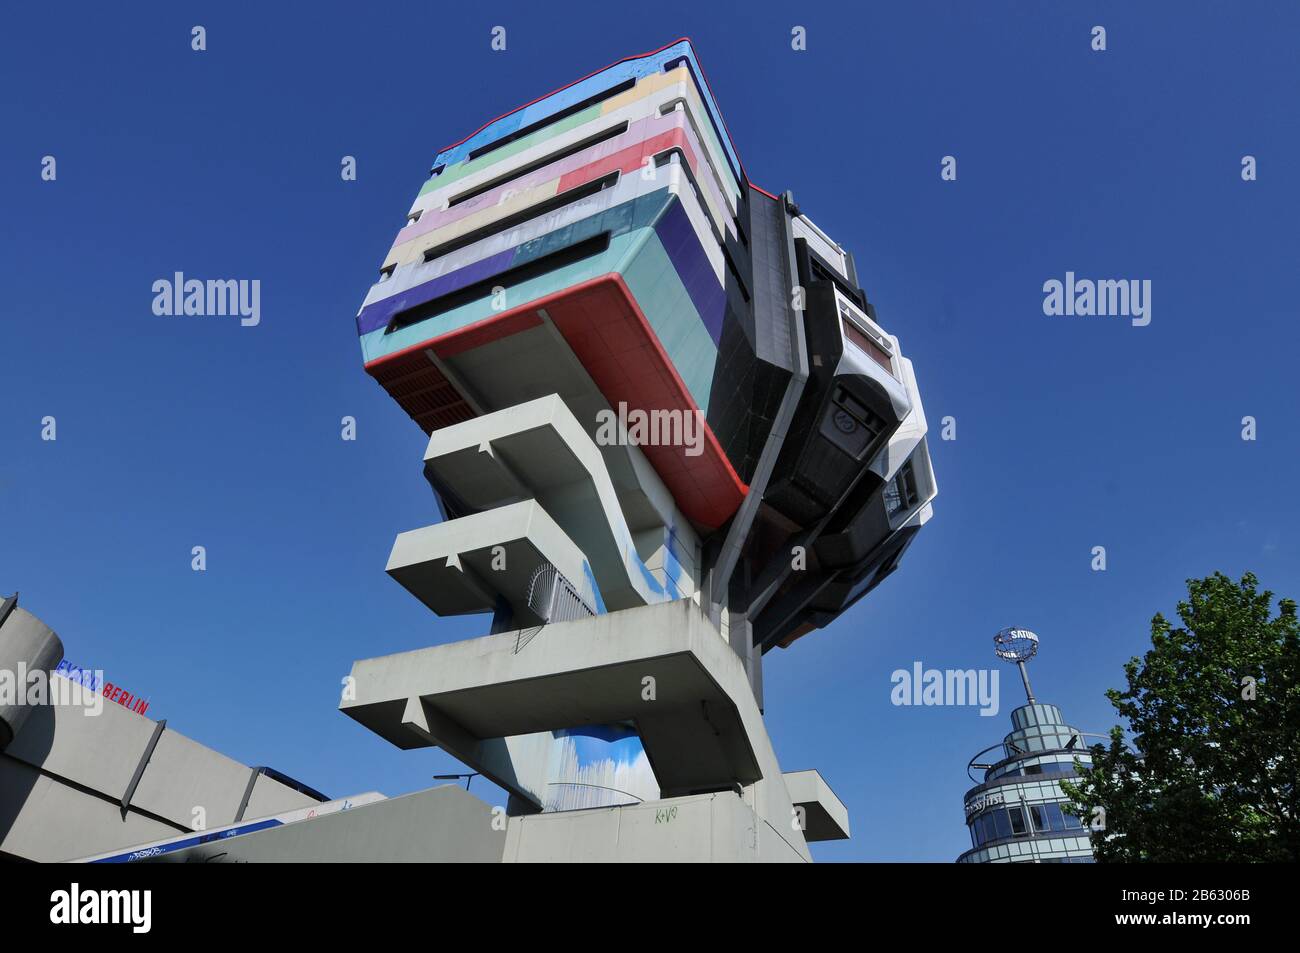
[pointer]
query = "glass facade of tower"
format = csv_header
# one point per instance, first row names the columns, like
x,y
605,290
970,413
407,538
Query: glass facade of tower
x,y
1015,814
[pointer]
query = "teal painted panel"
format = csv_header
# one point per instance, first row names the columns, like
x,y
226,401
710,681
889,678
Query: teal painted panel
x,y
636,251
654,282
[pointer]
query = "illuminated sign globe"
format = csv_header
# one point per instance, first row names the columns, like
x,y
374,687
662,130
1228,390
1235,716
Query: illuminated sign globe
x,y
1015,645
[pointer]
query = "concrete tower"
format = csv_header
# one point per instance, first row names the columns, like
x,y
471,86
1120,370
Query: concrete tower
x,y
666,435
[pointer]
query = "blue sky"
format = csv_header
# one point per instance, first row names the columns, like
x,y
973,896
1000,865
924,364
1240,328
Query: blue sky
x,y
1072,432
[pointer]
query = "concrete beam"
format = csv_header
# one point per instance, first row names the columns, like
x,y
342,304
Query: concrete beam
x,y
825,816
454,569
517,764
538,450
663,667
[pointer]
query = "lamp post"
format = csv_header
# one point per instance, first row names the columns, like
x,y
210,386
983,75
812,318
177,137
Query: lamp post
x,y
467,778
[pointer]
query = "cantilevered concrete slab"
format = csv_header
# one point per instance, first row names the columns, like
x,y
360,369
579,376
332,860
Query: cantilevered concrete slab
x,y
824,815
539,450
463,565
663,667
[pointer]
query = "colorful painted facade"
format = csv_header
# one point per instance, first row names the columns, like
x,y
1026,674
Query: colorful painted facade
x,y
602,248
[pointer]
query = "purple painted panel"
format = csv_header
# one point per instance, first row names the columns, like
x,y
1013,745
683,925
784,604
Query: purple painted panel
x,y
682,245
377,315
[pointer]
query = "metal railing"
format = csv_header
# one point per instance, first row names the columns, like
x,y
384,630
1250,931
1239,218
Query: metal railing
x,y
552,598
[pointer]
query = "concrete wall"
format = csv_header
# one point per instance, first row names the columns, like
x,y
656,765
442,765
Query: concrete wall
x,y
703,828
45,819
184,776
62,780
26,645
440,825
271,797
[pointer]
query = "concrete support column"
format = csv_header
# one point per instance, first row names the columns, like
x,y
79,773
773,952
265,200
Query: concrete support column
x,y
740,633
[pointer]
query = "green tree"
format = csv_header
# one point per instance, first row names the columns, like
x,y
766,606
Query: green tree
x,y
1214,711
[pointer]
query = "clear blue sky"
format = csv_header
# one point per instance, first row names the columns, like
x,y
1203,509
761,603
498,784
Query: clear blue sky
x,y
1072,432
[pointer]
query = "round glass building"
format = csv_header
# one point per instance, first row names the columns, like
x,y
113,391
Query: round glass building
x,y
1015,810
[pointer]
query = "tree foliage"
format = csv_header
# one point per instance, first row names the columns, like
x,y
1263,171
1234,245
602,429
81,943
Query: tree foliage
x,y
1213,709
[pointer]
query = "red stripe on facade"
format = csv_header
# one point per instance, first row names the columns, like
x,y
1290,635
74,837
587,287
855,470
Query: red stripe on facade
x,y
612,338
630,159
